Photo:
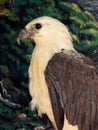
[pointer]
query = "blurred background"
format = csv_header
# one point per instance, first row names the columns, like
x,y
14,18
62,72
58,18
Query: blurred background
x,y
81,18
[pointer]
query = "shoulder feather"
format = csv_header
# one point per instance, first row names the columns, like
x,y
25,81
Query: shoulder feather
x,y
72,80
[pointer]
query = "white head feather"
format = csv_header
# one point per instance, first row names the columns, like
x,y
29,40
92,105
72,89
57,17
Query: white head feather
x,y
50,37
52,33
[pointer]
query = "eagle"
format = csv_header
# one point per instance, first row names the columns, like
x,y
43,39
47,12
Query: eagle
x,y
63,83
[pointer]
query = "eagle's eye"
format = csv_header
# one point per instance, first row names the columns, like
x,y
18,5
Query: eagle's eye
x,y
38,26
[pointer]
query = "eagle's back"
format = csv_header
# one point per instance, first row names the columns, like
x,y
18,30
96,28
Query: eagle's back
x,y
72,80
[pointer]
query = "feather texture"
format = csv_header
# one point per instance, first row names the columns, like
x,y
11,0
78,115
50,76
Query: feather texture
x,y
72,81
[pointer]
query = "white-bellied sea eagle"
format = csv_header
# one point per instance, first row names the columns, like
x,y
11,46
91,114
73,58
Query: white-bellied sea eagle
x,y
62,82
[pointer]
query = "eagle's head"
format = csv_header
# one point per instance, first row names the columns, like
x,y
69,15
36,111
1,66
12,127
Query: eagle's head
x,y
46,30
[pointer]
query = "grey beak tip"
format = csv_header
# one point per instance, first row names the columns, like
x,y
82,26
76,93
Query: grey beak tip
x,y
18,41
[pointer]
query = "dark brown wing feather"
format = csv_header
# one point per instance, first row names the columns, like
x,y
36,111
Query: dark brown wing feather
x,y
72,80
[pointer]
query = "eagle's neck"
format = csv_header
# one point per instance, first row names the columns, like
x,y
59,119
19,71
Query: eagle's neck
x,y
40,58
37,85
44,52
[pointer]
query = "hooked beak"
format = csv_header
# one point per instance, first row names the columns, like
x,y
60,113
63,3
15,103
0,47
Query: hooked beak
x,y
24,34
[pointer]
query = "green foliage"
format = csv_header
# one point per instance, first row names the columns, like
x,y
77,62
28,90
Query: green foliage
x,y
9,120
4,70
83,28
15,59
5,11
9,14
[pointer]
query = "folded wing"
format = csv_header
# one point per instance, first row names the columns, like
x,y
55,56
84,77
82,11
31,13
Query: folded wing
x,y
72,81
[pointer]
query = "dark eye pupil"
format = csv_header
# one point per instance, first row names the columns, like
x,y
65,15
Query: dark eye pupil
x,y
38,26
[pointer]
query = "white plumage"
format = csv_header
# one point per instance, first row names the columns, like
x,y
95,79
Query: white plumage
x,y
53,87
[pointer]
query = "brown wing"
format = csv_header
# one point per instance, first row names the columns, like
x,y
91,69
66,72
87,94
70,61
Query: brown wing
x,y
72,80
